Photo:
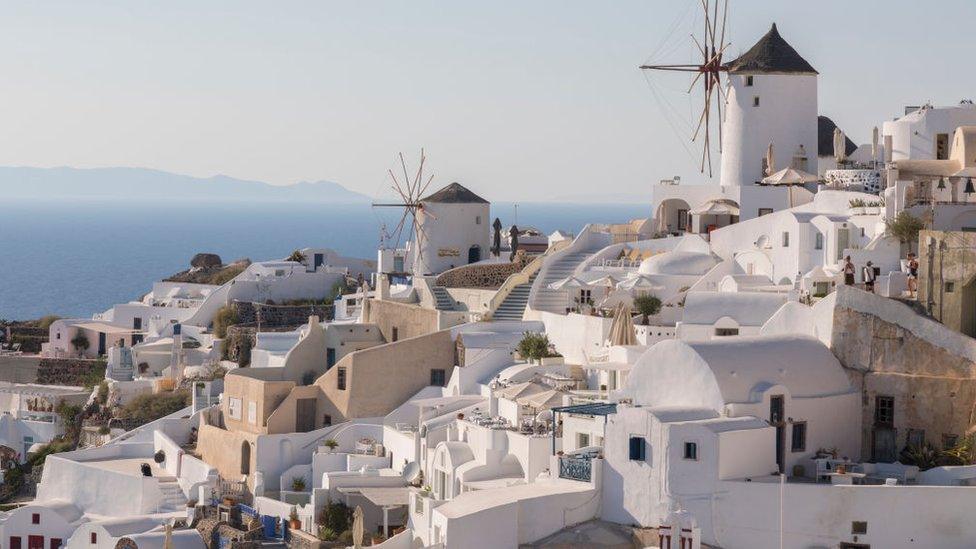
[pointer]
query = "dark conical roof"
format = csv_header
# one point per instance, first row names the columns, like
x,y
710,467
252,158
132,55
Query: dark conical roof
x,y
771,55
825,138
455,193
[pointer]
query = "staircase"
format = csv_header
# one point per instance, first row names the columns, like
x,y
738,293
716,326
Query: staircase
x,y
442,299
513,307
556,301
173,498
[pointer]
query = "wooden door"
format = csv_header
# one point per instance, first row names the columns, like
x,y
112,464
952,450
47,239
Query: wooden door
x,y
35,542
55,543
14,542
305,415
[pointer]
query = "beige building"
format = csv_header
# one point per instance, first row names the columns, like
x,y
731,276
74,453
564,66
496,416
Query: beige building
x,y
947,278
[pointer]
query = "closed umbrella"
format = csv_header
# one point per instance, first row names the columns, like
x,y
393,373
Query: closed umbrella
x,y
622,328
357,527
840,146
770,161
874,144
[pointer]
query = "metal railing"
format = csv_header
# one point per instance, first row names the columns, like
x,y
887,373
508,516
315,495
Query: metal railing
x,y
573,468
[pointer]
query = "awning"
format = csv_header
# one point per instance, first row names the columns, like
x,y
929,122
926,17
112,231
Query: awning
x,y
790,176
568,282
105,327
717,206
387,497
640,282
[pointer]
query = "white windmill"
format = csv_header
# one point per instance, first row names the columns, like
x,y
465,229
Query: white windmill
x,y
410,191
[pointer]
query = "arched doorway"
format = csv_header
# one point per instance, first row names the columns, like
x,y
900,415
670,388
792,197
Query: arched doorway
x,y
474,254
672,216
245,458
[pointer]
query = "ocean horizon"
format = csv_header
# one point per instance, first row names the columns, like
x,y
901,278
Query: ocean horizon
x,y
74,259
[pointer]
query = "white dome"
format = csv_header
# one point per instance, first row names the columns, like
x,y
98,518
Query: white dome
x,y
678,263
710,374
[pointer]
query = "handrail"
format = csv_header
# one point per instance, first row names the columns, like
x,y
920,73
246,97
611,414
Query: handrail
x,y
517,279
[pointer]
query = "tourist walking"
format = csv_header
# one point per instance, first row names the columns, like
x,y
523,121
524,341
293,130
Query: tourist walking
x,y
848,271
869,277
912,274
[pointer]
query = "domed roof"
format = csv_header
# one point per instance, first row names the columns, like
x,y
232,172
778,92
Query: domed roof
x,y
710,374
678,263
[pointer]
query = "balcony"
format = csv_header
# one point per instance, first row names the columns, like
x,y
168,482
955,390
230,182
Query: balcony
x,y
575,468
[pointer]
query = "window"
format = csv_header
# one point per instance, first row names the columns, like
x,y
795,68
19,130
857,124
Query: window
x,y
949,441
279,272
941,146
234,408
755,101
682,220
884,411
326,420
585,296
341,379
950,287
859,527
252,412
818,241
786,239
722,332
395,336
799,443
14,542
438,378
136,323
35,518
691,451
638,449
916,437
749,81
765,211
330,357
477,220
582,440
94,538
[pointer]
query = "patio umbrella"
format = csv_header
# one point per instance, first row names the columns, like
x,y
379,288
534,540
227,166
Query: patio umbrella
x,y
717,206
168,537
357,527
364,310
607,280
770,160
568,282
622,328
789,177
640,282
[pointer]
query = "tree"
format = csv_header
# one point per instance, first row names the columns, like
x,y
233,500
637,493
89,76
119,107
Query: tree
x,y
336,516
534,346
905,227
647,305
226,316
80,342
297,256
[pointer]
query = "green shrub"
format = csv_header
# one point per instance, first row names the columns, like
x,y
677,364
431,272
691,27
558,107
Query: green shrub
x,y
905,227
647,305
150,407
226,274
339,288
297,256
225,317
46,321
335,516
80,342
102,395
327,534
535,346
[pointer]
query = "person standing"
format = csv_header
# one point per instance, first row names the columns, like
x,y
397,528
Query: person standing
x,y
848,271
869,277
912,274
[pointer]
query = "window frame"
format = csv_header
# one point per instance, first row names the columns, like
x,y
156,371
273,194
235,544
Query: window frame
x,y
441,373
634,450
884,416
785,241
693,446
341,378
802,446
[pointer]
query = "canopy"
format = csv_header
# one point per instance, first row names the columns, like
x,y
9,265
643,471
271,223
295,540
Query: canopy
x,y
387,496
790,176
568,282
717,206
622,328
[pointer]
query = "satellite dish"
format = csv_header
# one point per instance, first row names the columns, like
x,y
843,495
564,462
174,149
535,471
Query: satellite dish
x,y
411,471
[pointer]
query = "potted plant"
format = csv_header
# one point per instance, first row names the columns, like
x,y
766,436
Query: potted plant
x,y
647,305
293,521
298,484
460,415
856,206
331,444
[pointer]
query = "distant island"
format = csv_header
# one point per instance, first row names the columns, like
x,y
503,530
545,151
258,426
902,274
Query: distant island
x,y
127,184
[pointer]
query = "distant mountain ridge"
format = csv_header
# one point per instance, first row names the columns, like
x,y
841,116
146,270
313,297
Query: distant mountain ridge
x,y
147,184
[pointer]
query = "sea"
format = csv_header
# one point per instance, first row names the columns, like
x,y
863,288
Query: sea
x,y
74,259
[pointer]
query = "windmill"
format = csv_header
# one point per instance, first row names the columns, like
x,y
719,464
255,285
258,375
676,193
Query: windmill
x,y
711,48
409,191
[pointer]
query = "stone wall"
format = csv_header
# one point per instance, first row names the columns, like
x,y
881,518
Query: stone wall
x,y
485,275
69,371
280,315
947,278
889,350
408,320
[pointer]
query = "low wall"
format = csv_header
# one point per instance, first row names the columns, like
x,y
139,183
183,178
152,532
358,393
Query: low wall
x,y
487,276
280,315
69,371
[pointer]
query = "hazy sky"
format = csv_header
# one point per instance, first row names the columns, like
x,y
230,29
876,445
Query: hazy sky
x,y
519,100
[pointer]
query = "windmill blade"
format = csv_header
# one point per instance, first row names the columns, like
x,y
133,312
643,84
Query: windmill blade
x,y
718,104
406,178
700,48
420,173
396,185
725,17
423,191
695,81
703,119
